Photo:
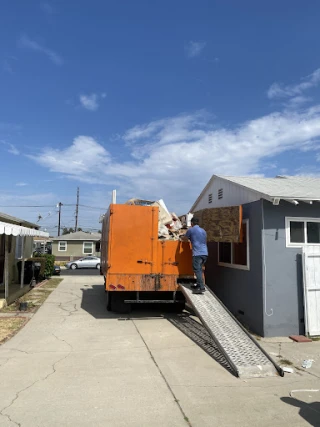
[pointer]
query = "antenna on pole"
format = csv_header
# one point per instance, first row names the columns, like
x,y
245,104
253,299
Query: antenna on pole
x,y
77,210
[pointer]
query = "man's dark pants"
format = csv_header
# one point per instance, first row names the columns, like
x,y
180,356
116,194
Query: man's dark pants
x,y
197,262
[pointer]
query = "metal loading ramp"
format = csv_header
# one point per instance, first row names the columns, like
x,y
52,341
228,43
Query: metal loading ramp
x,y
246,357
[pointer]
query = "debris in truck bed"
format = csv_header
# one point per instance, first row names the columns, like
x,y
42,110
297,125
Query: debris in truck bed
x,y
139,202
170,227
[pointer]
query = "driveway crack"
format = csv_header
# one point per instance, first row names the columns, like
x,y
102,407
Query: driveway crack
x,y
164,378
54,370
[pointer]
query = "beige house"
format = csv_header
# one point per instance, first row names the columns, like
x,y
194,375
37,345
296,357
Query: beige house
x,y
76,245
16,245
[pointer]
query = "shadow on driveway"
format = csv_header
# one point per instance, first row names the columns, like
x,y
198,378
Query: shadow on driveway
x,y
310,412
94,302
200,336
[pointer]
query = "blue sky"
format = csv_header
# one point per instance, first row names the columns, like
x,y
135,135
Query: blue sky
x,y
151,98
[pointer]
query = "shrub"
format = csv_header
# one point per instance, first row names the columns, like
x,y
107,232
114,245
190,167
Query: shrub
x,y
49,260
47,264
40,260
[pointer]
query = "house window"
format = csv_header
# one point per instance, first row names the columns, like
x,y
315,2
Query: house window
x,y
236,255
210,198
220,193
88,248
62,246
302,231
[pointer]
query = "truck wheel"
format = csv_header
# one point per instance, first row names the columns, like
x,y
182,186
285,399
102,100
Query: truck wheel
x,y
117,303
108,302
178,307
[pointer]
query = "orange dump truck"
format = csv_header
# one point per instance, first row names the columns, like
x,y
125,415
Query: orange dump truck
x,y
137,266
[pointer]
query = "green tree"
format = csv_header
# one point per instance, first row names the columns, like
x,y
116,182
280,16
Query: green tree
x,y
67,230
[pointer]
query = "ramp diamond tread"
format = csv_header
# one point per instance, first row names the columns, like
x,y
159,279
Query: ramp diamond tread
x,y
237,346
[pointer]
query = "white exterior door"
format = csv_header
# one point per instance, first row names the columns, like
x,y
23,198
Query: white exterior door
x,y
311,282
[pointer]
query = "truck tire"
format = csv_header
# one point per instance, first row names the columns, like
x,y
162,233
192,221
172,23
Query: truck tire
x,y
178,307
108,300
117,304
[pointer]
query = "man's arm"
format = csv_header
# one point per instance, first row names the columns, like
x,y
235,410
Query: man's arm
x,y
186,236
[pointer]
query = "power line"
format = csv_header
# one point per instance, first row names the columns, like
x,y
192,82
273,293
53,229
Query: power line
x,y
27,206
94,207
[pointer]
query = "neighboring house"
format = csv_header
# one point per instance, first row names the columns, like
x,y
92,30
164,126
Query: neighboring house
x,y
16,244
261,279
42,244
76,245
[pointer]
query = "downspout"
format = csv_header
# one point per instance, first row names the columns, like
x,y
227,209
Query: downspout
x,y
264,267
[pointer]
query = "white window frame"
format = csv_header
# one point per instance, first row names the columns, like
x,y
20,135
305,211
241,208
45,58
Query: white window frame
x,y
237,266
59,246
299,219
86,253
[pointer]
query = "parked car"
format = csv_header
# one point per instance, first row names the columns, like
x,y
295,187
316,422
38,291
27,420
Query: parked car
x,y
86,262
56,270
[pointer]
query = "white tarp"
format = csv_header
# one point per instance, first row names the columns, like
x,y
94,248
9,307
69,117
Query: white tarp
x,y
19,230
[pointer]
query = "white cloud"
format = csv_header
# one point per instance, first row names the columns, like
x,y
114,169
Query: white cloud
x,y
194,49
89,102
173,158
85,159
278,90
21,184
27,43
47,8
11,148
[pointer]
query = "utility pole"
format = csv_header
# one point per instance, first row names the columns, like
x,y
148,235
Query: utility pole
x,y
59,223
77,210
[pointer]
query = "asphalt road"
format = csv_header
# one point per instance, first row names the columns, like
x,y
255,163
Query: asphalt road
x,y
81,272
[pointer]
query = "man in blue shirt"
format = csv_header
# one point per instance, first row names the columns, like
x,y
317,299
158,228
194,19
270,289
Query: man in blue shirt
x,y
198,239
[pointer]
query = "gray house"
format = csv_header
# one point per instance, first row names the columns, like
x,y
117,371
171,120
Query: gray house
x,y
76,245
261,279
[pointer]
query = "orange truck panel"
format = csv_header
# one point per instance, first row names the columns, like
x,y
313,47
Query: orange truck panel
x,y
132,256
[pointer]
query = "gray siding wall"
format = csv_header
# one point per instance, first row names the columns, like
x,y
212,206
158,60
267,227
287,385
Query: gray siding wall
x,y
284,290
240,290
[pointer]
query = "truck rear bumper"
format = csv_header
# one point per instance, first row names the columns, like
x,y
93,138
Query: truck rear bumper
x,y
144,282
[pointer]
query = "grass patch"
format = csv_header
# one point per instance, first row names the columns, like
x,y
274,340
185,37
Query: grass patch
x,y
51,283
35,297
285,362
315,338
9,326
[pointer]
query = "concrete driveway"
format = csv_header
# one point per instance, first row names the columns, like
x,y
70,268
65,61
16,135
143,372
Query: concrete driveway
x,y
80,272
74,364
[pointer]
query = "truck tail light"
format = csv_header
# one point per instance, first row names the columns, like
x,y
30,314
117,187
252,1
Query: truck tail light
x,y
121,287
112,287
